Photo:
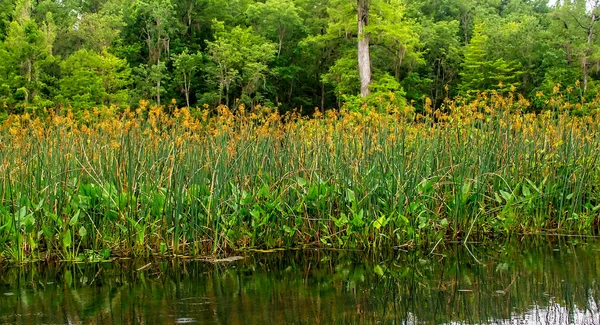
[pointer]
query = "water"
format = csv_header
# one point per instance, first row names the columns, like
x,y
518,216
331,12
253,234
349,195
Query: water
x,y
532,282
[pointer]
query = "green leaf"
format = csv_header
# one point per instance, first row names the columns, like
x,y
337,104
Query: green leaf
x,y
255,213
465,191
378,270
350,196
82,231
39,205
301,181
357,219
230,233
141,235
533,186
111,214
75,219
68,278
341,221
497,197
289,230
67,240
123,228
381,222
22,213
404,219
105,253
507,196
444,222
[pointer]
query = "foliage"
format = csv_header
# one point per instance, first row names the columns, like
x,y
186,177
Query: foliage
x,y
92,79
297,54
193,181
239,57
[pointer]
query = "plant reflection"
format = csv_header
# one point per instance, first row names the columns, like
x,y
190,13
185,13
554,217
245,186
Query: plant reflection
x,y
533,282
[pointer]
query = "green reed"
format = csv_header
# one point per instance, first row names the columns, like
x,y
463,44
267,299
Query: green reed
x,y
139,185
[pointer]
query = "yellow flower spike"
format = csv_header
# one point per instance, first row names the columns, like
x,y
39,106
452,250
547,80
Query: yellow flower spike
x,y
143,104
428,105
556,89
114,144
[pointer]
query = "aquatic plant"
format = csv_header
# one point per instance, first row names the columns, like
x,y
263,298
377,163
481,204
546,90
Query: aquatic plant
x,y
183,181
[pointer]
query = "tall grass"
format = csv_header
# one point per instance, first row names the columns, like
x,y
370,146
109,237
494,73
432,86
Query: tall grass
x,y
193,181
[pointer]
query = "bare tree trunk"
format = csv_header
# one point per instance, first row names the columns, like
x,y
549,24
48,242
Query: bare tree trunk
x,y
227,94
158,87
364,56
465,22
158,92
187,93
281,36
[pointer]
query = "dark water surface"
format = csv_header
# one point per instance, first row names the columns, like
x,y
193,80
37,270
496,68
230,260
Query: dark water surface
x,y
549,281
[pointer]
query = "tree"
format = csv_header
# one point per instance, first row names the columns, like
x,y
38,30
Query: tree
x,y
98,31
91,79
275,19
297,54
238,56
395,37
186,65
150,81
159,24
577,23
384,43
364,57
442,52
7,8
480,72
27,49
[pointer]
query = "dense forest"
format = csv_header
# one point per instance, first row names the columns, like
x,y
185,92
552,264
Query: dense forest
x,y
292,54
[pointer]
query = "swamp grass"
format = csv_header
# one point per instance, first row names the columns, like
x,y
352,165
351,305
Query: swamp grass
x,y
179,181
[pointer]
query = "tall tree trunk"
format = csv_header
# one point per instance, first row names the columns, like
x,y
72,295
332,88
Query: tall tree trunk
x,y
364,57
158,86
187,91
158,92
227,94
281,36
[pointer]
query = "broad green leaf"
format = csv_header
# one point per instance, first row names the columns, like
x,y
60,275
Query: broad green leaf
x,y
350,196
444,222
381,222
67,240
289,230
507,196
301,181
75,219
465,191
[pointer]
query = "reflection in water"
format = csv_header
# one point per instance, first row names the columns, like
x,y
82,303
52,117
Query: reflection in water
x,y
523,283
